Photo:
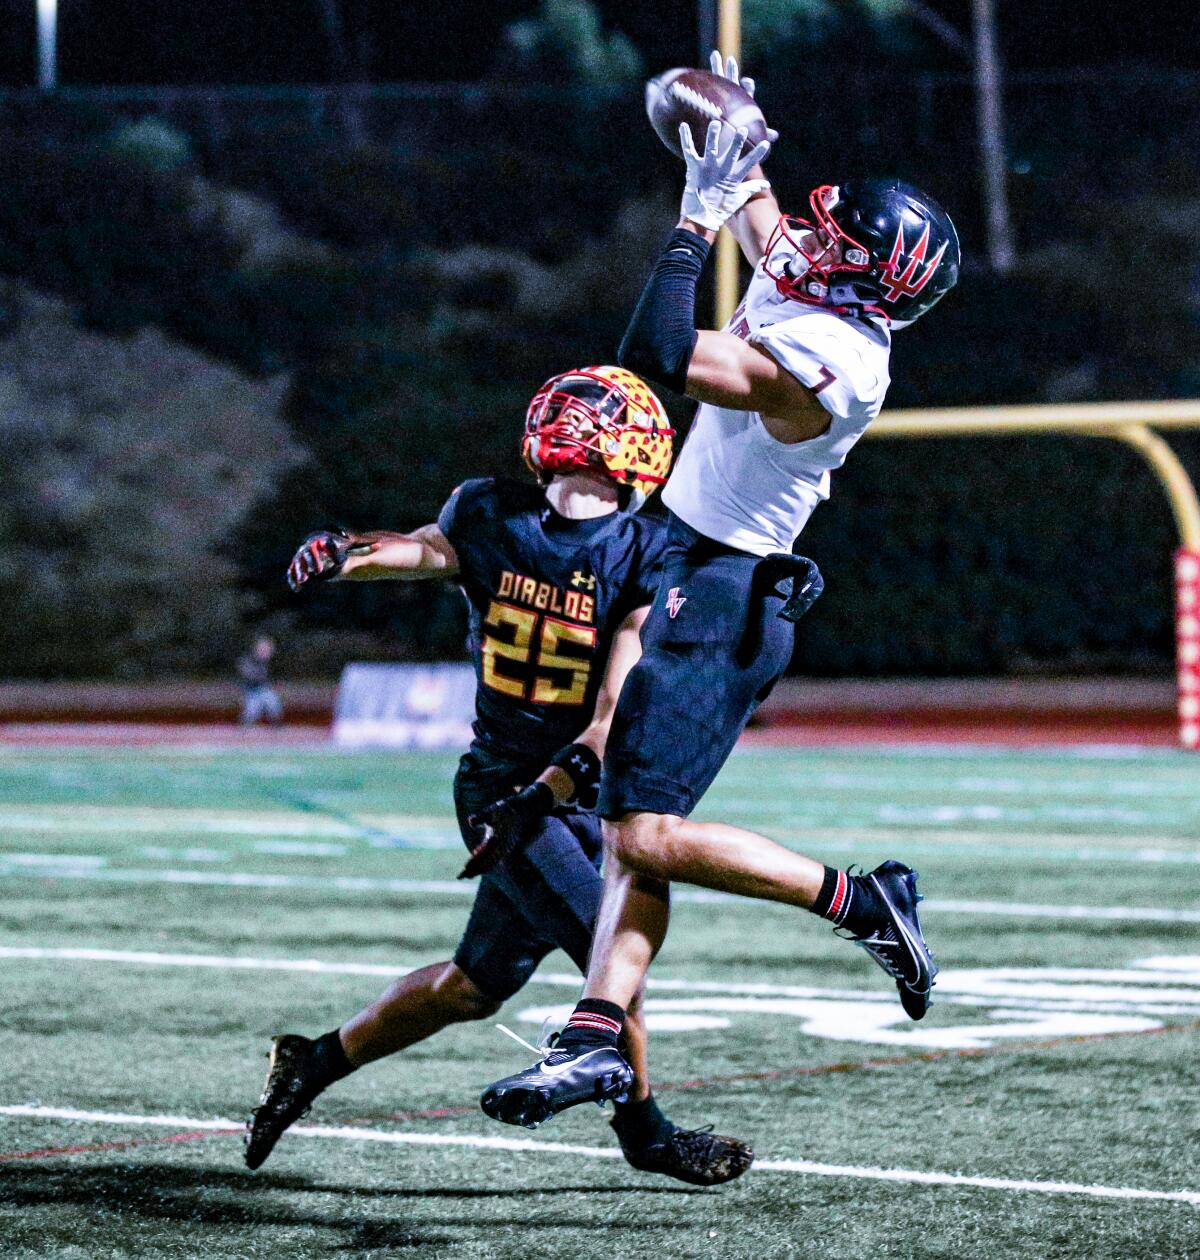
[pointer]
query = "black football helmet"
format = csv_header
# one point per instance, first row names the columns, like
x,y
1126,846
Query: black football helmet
x,y
899,251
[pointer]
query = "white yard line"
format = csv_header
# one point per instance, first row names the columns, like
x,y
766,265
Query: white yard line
x,y
800,1167
1036,910
53,860
431,833
150,958
436,832
89,866
235,879
166,821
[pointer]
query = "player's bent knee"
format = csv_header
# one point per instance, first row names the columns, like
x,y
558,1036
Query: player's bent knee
x,y
463,996
644,842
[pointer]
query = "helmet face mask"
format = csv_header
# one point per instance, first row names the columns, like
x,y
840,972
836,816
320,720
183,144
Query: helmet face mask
x,y
811,252
601,421
874,247
571,419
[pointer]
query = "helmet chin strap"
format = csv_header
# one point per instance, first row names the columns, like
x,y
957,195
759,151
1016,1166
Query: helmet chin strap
x,y
846,291
581,496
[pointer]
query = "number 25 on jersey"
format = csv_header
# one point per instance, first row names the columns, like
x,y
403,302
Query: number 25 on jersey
x,y
543,639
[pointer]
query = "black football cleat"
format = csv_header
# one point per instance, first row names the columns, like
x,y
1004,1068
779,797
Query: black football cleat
x,y
897,944
286,1097
564,1078
698,1156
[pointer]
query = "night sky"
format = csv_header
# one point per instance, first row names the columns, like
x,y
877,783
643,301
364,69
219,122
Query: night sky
x,y
271,41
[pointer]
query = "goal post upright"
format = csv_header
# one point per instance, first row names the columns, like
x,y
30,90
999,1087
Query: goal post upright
x,y
1184,504
729,42
1133,424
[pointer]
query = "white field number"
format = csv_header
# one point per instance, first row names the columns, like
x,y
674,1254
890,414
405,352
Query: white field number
x,y
1018,1002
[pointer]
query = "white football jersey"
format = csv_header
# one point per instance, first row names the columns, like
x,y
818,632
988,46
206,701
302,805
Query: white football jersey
x,y
733,481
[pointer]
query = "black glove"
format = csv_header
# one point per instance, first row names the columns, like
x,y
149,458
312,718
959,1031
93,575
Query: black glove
x,y
807,582
320,557
505,824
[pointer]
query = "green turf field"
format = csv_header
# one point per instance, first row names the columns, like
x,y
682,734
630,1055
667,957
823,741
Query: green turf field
x,y
165,911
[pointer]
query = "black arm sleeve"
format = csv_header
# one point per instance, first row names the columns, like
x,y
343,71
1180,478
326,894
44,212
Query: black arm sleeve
x,y
661,336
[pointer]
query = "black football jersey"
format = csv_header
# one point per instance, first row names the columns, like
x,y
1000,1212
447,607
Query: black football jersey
x,y
546,595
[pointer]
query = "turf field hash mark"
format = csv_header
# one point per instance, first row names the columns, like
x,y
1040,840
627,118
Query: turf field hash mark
x,y
159,853
298,848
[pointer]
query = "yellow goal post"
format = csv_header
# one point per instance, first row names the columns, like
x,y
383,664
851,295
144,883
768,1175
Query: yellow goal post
x,y
1136,424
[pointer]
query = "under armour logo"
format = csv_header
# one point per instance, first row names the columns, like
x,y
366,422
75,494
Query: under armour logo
x,y
579,578
675,602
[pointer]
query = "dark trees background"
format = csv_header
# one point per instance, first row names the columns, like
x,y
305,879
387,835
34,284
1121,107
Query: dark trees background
x,y
372,284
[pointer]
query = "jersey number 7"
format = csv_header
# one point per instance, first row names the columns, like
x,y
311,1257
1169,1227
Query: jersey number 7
x,y
550,635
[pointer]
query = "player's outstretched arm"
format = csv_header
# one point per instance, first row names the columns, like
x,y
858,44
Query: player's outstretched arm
x,y
331,554
663,345
753,224
424,553
755,221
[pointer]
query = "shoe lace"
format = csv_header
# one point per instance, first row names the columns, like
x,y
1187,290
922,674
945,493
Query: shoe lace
x,y
547,1039
878,946
883,945
879,942
695,1144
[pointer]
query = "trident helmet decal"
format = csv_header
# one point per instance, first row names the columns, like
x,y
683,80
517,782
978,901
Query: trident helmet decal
x,y
908,283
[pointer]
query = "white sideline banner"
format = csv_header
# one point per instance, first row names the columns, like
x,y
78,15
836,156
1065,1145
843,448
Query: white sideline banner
x,y
404,706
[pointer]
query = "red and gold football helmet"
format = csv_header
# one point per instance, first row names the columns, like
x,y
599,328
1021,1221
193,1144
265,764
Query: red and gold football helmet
x,y
600,419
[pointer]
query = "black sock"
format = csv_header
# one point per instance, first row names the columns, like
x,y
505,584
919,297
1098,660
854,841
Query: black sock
x,y
848,901
641,1124
594,1023
327,1061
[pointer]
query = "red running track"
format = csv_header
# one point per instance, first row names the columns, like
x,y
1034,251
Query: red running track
x,y
1018,730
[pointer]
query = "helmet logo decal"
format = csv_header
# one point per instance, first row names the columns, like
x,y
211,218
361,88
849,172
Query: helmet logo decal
x,y
908,283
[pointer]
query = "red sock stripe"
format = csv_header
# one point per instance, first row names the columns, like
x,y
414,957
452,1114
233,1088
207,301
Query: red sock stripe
x,y
589,1019
838,904
849,901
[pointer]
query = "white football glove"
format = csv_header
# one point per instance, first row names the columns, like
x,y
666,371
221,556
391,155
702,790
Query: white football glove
x,y
716,188
730,71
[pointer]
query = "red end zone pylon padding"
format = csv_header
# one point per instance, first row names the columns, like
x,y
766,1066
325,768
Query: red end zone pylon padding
x,y
1187,644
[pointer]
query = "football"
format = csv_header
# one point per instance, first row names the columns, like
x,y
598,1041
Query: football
x,y
697,97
